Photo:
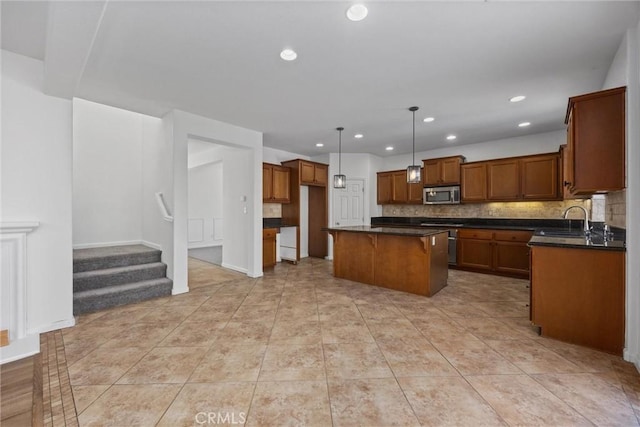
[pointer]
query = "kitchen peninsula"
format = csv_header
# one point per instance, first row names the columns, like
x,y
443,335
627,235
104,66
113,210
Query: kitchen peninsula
x,y
409,260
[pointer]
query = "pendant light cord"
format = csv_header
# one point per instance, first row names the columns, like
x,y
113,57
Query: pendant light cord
x,y
413,161
340,152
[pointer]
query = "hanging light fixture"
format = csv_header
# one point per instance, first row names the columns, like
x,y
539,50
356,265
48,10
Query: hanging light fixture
x,y
413,171
339,181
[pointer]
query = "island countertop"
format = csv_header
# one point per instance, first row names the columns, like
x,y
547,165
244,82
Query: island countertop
x,y
394,231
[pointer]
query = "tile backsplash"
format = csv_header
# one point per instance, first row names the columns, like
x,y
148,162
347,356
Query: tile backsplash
x,y
616,209
523,210
271,210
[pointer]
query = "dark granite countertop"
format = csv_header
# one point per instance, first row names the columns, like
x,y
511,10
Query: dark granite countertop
x,y
396,231
547,232
276,223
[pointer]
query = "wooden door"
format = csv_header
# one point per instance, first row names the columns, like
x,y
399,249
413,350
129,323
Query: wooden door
x,y
503,180
267,183
318,217
473,182
539,177
567,168
307,173
320,174
281,185
384,188
450,171
475,254
414,195
269,247
399,193
432,175
511,257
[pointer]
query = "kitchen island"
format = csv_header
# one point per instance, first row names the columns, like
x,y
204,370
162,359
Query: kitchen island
x,y
404,259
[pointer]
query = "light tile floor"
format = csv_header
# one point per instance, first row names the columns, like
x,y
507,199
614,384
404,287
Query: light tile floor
x,y
300,347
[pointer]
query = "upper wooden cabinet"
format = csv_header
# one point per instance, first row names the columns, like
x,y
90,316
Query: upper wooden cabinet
x,y
275,184
473,182
394,189
594,158
313,173
442,171
513,179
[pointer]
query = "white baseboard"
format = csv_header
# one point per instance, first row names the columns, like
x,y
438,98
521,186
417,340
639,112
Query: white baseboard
x,y
107,244
235,268
175,291
205,245
328,258
60,324
255,275
631,357
151,245
19,349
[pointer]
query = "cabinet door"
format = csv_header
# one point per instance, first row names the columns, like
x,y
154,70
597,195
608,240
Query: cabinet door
x,y
320,174
307,173
503,180
539,177
450,171
280,191
567,171
475,254
269,247
512,258
384,188
415,194
474,182
399,193
267,183
432,175
598,139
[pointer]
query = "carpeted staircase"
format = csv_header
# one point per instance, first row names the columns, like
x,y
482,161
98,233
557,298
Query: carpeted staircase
x,y
117,275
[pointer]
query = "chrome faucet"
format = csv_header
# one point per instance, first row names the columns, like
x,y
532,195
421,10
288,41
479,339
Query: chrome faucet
x,y
586,228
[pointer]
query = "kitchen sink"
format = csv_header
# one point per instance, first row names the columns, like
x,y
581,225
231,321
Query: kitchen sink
x,y
560,233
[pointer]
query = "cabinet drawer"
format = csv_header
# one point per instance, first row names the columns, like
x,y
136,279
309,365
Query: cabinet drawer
x,y
269,233
512,236
475,234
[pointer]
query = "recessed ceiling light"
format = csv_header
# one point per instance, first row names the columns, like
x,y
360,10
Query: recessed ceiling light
x,y
319,144
517,98
451,137
358,135
524,124
288,54
428,119
357,12
389,148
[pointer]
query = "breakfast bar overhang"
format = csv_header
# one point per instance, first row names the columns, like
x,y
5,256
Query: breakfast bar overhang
x,y
405,259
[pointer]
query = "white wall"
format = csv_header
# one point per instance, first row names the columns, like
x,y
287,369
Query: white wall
x,y
36,185
205,205
107,175
237,195
179,127
275,156
511,147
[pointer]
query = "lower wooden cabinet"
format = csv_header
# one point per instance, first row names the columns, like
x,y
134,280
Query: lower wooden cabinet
x,y
269,247
577,295
498,251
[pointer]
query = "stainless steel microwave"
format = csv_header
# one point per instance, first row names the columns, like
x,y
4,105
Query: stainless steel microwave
x,y
441,195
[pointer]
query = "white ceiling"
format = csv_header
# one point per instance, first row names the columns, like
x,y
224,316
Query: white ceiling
x,y
457,61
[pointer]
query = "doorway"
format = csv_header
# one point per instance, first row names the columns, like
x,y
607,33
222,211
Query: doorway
x,y
348,204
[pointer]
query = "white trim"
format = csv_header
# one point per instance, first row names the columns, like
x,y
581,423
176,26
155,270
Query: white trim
x,y
107,244
238,269
175,291
162,205
19,349
60,324
204,245
18,226
151,245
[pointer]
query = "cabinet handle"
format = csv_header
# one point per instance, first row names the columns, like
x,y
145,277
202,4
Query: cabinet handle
x,y
567,183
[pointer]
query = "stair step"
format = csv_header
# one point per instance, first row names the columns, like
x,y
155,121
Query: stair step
x,y
94,279
113,256
112,296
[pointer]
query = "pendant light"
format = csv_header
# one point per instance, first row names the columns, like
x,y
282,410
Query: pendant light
x,y
413,171
339,181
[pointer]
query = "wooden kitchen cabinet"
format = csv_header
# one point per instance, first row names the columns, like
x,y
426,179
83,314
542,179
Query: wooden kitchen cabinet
x,y
442,171
473,180
512,179
275,184
503,179
577,296
498,251
392,188
594,159
313,173
269,247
